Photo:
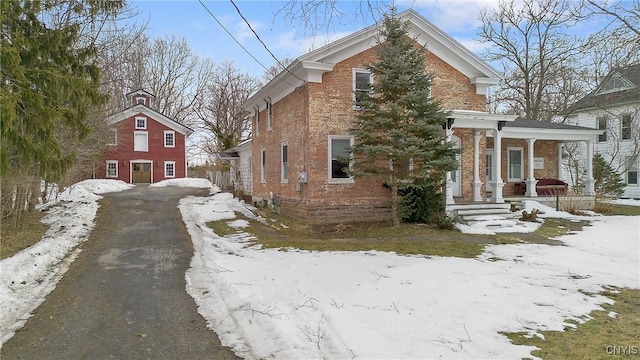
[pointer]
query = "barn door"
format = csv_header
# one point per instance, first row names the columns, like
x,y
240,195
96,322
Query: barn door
x,y
141,173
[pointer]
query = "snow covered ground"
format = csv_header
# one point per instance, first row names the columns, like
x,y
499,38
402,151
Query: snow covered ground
x,y
301,304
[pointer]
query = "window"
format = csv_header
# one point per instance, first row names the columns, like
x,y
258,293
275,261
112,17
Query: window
x,y
169,169
140,100
340,158
632,173
257,114
362,81
284,171
169,138
113,137
141,123
263,165
615,83
602,125
112,168
625,131
140,141
269,115
515,164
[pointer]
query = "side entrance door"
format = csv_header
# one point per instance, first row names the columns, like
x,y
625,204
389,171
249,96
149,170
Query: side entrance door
x,y
489,169
141,173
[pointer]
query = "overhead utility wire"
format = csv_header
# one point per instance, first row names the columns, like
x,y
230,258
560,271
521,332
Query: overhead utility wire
x,y
234,39
262,42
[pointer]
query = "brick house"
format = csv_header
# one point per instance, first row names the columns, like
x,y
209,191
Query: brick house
x,y
145,146
301,120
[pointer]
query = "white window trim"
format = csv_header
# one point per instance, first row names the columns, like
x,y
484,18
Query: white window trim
x,y
353,84
134,140
144,100
263,166
622,127
107,169
165,138
605,134
284,179
257,114
269,115
509,178
136,122
330,179
114,137
166,175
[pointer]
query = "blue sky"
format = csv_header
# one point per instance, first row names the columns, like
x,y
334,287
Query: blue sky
x,y
207,38
189,19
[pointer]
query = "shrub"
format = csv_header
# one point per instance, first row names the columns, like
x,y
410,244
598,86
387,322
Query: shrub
x,y
421,202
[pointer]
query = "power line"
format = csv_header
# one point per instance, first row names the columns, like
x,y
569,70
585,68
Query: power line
x,y
262,42
229,33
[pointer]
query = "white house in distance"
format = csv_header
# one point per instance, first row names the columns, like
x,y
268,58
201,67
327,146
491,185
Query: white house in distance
x,y
614,106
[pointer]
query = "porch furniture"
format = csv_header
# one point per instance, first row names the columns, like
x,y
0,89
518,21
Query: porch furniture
x,y
544,187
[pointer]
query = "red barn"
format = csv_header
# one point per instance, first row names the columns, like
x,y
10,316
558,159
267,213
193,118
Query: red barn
x,y
146,146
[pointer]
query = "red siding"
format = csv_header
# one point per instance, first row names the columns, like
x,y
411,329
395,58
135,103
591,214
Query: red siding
x,y
125,155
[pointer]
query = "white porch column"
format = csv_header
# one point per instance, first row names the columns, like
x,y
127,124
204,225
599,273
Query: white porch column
x,y
589,183
560,152
477,183
531,179
449,199
497,184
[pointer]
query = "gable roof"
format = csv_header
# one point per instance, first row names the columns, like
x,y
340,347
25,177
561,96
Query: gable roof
x,y
140,92
600,97
142,109
311,66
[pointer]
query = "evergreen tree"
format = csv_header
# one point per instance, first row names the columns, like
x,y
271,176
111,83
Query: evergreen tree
x,y
608,183
398,130
47,84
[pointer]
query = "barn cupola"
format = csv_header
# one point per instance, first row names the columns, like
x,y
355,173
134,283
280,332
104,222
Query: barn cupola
x,y
141,97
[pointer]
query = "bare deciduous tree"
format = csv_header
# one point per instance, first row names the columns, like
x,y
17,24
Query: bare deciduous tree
x,y
276,69
222,119
538,57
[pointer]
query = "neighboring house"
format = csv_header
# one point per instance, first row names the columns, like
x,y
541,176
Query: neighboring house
x,y
301,122
239,178
145,145
614,107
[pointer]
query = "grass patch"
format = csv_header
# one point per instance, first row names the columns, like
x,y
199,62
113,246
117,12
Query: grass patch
x,y
28,232
615,209
281,232
602,337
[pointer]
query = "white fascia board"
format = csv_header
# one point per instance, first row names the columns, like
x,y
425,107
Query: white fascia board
x,y
137,109
550,134
479,120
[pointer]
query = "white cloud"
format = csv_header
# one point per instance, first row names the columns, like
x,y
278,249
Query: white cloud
x,y
294,47
452,16
242,31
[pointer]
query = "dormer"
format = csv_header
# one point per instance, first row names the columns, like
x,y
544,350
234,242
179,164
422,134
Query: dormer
x,y
141,97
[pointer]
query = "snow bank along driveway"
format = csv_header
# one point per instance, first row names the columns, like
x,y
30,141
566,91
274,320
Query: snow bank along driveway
x,y
301,304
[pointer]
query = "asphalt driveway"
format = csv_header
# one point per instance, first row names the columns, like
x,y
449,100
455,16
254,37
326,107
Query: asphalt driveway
x,y
124,297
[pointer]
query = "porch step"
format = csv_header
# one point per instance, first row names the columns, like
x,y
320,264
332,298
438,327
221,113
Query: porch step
x,y
474,213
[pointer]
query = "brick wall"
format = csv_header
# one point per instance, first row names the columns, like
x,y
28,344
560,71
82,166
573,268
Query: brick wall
x,y
123,153
307,117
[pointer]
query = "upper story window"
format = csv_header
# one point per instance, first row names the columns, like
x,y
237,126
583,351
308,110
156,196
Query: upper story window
x,y
613,84
602,125
141,122
269,115
257,115
113,137
169,138
141,100
626,127
140,141
340,160
362,80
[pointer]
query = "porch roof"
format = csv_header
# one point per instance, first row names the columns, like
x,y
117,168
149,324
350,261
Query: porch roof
x,y
532,129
